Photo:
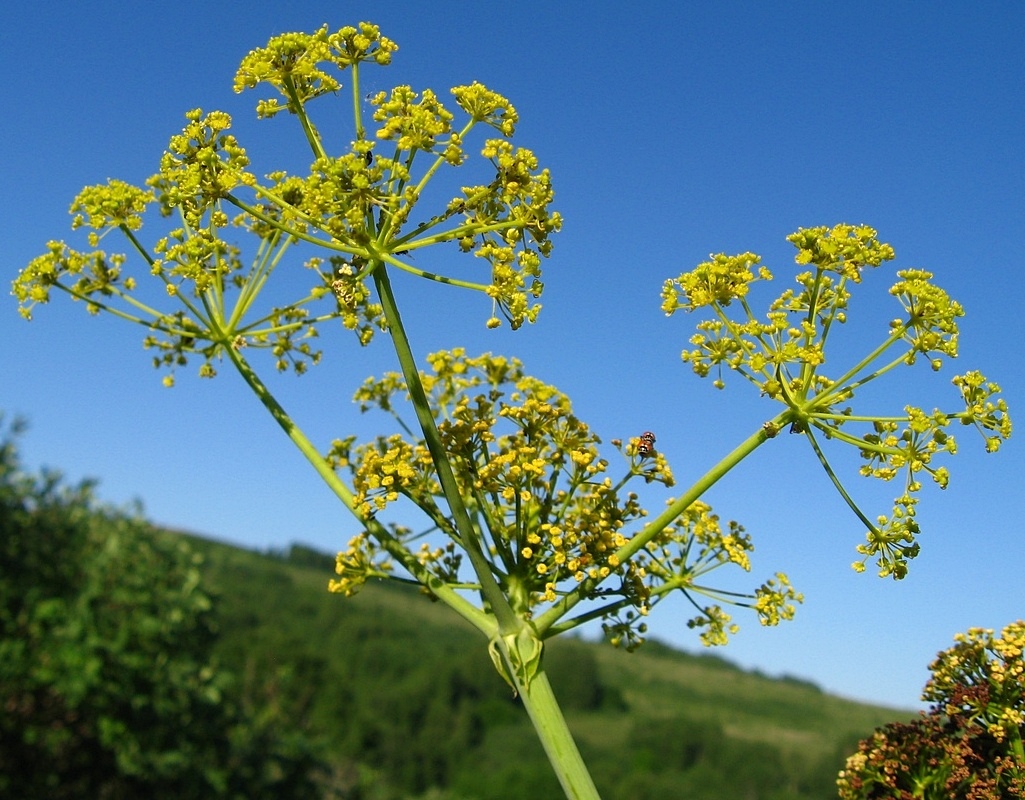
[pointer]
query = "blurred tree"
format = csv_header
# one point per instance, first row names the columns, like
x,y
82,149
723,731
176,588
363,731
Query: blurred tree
x,y
106,683
674,743
576,679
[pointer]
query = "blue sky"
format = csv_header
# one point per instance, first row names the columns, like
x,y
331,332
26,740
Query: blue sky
x,y
672,130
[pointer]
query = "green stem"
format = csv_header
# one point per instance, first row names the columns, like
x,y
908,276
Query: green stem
x,y
808,370
834,309
130,235
840,383
434,276
667,517
357,107
300,112
550,724
475,616
1018,748
439,159
844,418
702,485
335,244
491,591
582,619
836,482
538,698
471,228
902,359
268,257
115,311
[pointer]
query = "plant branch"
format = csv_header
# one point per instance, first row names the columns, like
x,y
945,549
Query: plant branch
x,y
667,517
836,481
475,616
304,120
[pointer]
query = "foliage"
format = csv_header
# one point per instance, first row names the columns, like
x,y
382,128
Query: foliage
x,y
534,535
106,681
969,744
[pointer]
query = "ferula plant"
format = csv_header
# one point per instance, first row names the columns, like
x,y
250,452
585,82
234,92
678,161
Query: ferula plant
x,y
969,744
522,524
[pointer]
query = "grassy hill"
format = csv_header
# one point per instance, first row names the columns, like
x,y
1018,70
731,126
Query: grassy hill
x,y
403,699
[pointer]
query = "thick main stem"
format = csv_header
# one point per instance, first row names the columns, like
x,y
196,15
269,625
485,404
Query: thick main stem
x,y
508,622
544,712
538,698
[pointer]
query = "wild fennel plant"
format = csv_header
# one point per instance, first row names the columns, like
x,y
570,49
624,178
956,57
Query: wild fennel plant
x,y
535,531
969,744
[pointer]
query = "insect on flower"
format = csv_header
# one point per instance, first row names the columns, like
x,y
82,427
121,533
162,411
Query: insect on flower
x,y
647,444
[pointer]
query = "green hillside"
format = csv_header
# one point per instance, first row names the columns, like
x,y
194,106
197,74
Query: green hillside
x,y
401,696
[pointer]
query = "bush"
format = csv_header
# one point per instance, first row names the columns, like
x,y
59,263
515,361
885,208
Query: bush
x,y
106,682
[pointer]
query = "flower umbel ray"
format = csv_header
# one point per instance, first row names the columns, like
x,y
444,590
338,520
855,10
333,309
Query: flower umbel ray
x,y
784,355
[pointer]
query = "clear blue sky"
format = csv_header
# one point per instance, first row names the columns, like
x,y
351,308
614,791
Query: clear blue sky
x,y
672,130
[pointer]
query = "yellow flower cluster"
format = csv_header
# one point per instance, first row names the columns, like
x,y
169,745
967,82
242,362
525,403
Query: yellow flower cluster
x,y
716,626
486,106
413,122
291,63
356,565
843,249
983,408
94,273
549,517
389,468
118,203
970,742
201,166
696,544
930,326
717,282
982,658
355,204
775,599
